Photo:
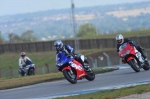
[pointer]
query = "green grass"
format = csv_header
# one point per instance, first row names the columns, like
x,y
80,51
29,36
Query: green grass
x,y
7,83
39,58
112,94
11,59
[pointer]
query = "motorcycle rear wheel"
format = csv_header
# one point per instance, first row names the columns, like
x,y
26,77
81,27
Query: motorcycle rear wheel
x,y
134,65
90,75
69,76
146,66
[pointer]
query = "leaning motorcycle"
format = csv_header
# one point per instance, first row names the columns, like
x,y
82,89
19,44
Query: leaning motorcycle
x,y
130,55
27,70
72,69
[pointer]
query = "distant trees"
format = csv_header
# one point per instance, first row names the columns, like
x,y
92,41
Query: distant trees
x,y
1,39
55,23
26,36
86,30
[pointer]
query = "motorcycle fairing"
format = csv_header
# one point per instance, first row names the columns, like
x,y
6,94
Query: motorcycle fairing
x,y
63,59
128,51
78,67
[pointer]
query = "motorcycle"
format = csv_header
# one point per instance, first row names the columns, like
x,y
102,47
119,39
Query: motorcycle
x,y
72,69
130,55
27,69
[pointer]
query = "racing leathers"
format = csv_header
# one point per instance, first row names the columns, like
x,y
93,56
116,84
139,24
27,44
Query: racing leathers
x,y
25,62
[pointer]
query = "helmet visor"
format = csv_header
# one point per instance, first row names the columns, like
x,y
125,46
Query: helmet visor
x,y
57,47
119,41
23,55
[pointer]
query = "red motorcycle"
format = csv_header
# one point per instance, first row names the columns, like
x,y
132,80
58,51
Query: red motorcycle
x,y
72,69
130,55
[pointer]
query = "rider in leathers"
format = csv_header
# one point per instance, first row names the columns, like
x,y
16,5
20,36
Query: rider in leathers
x,y
25,61
68,50
121,40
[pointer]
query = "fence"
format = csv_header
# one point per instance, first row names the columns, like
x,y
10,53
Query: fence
x,y
82,44
13,72
100,59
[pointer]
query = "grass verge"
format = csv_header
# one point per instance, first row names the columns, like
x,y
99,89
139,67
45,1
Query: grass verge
x,y
112,94
7,83
39,58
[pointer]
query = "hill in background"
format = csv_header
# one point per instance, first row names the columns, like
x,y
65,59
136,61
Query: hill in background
x,y
52,24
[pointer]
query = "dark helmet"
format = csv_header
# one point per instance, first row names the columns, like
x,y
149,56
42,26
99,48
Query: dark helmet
x,y
23,54
119,39
58,44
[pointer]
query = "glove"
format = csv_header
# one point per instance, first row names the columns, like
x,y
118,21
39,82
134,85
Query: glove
x,y
70,55
131,43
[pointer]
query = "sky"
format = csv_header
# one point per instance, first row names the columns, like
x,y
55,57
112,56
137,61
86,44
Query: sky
x,y
11,7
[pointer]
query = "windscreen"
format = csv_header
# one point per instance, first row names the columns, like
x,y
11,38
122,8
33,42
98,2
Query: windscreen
x,y
123,46
61,58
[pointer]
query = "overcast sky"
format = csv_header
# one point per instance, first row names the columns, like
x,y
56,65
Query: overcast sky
x,y
9,7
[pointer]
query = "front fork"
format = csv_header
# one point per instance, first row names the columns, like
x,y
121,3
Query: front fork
x,y
69,68
71,72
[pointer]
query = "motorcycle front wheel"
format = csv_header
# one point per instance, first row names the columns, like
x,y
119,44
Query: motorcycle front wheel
x,y
134,65
31,71
70,76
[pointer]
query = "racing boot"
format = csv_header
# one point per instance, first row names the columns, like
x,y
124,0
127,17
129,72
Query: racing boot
x,y
85,66
141,50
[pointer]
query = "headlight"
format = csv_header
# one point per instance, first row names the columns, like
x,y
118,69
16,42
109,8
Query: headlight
x,y
60,64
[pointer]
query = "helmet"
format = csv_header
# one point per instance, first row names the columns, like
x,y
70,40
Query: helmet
x,y
119,39
23,54
58,44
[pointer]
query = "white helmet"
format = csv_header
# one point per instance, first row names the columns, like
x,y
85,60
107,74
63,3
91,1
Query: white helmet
x,y
119,39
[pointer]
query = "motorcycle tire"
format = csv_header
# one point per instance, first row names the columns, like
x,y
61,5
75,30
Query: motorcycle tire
x,y
31,72
21,72
90,75
70,77
133,65
146,66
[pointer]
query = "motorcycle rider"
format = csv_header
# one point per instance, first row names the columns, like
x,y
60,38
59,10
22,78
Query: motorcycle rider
x,y
24,61
121,40
69,51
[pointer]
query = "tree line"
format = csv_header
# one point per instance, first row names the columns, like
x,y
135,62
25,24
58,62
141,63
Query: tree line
x,y
26,36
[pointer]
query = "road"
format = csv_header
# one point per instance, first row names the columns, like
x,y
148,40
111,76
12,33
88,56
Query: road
x,y
106,80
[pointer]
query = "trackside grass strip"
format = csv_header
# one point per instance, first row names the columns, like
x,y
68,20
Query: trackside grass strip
x,y
112,94
7,83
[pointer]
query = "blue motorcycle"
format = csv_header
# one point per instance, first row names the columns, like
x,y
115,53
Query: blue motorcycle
x,y
72,69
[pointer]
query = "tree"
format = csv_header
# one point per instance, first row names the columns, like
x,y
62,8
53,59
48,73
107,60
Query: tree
x,y
16,38
1,39
10,36
86,30
27,36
